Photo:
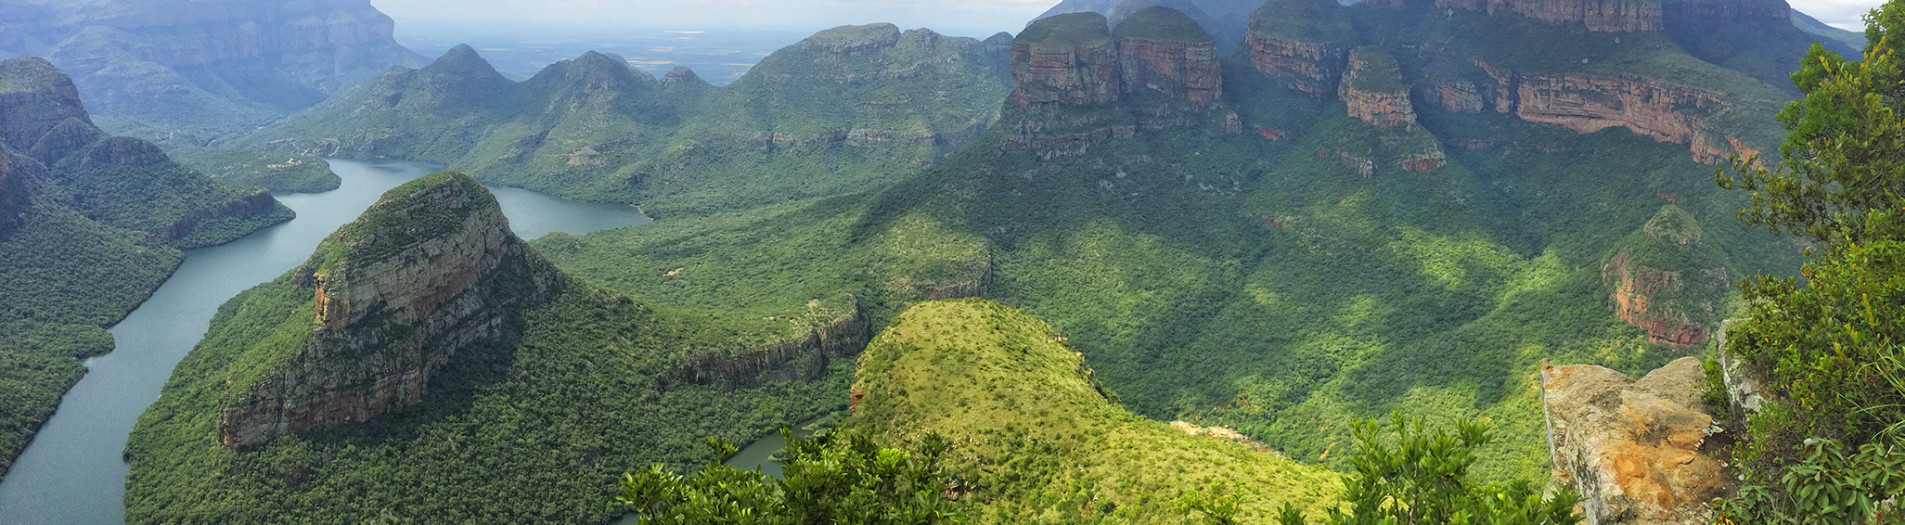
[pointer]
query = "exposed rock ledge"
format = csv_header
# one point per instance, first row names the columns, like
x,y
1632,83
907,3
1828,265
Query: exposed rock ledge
x,y
1590,103
1634,450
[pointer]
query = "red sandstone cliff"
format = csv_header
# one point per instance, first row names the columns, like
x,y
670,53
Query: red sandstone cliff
x,y
392,307
1374,91
1589,103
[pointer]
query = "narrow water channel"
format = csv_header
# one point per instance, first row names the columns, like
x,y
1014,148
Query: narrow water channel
x,y
73,471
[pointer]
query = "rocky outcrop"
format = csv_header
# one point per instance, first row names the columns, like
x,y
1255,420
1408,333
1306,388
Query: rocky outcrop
x,y
1607,16
853,40
1164,51
1665,281
800,358
1065,60
681,75
1589,103
36,98
1303,44
429,271
1457,96
1373,89
1634,450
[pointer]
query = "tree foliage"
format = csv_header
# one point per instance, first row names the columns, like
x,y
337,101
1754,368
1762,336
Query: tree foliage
x,y
831,478
1421,477
1828,348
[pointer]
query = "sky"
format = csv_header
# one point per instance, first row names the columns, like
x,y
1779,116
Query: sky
x,y
977,18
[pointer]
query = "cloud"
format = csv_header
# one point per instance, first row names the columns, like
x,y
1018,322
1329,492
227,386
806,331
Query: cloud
x,y
1840,13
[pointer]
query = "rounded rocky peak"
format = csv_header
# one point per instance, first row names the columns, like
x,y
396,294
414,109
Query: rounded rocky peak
x,y
1068,30
1310,21
680,75
1162,23
34,75
854,39
431,206
462,60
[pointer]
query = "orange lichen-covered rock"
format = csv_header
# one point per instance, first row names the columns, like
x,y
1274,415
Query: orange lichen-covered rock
x,y
1632,449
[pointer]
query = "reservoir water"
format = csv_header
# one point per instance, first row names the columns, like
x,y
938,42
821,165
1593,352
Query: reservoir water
x,y
73,471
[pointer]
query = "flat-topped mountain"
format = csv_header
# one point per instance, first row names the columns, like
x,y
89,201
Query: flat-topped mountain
x,y
203,68
844,108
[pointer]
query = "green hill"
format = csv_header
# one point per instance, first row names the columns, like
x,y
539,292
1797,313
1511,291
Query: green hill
x,y
1037,438
91,225
849,107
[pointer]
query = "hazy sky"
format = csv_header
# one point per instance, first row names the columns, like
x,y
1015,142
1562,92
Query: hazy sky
x,y
978,18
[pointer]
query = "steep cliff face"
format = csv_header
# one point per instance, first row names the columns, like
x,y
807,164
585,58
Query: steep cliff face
x,y
1165,51
1588,103
1304,44
36,98
16,193
1635,450
1666,281
429,271
1606,16
1373,88
1065,60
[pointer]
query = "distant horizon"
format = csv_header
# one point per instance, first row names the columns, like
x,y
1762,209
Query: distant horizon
x,y
970,18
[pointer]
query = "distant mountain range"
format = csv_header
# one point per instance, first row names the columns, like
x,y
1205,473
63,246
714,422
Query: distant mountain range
x,y
192,70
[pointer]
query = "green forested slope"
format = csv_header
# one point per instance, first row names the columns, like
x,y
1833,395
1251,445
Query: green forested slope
x,y
92,225
1036,438
848,107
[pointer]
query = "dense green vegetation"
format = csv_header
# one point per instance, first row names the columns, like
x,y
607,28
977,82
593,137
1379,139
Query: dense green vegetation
x,y
1252,283
30,387
280,174
849,107
1826,447
95,224
1423,479
534,429
1036,438
832,478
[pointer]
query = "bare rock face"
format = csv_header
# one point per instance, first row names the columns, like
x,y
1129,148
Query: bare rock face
x,y
1633,449
1304,44
35,99
1065,60
1589,103
429,271
1372,86
1606,16
1458,96
1162,50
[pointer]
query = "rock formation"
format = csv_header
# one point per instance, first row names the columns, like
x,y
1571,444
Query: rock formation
x,y
1634,450
1372,87
1162,50
1588,103
1705,16
1065,60
1665,281
36,99
429,271
1302,43
1606,16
